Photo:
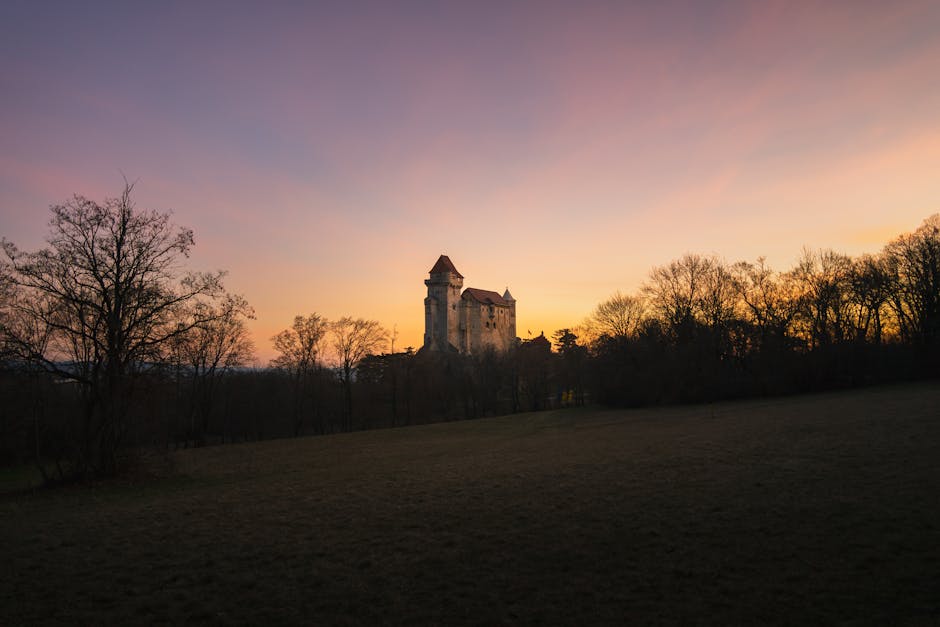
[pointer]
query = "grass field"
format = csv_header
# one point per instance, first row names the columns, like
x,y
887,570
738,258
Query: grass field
x,y
817,509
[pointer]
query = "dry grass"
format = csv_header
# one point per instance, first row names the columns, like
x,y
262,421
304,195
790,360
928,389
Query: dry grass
x,y
820,509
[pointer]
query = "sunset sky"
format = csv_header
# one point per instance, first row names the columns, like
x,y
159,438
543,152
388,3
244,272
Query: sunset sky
x,y
327,153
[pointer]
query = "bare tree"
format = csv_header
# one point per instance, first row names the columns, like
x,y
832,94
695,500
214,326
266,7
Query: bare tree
x,y
210,349
7,291
300,349
49,442
914,266
718,302
677,292
353,339
869,285
769,301
12,325
823,280
111,292
619,316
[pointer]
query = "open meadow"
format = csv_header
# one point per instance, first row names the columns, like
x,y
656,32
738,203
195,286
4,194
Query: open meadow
x,y
813,509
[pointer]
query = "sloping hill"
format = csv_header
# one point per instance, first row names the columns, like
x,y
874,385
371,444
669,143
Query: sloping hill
x,y
820,509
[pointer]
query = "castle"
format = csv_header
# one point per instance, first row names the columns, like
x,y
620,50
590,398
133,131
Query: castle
x,y
468,322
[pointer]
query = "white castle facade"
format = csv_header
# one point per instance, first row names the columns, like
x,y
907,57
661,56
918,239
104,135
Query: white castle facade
x,y
467,322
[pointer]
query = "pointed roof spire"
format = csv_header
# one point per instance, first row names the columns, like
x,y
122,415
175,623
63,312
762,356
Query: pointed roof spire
x,y
444,264
507,295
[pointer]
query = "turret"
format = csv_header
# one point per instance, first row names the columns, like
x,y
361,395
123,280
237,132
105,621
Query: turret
x,y
441,316
512,314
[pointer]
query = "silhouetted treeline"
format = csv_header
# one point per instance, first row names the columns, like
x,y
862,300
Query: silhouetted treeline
x,y
106,345
41,419
701,329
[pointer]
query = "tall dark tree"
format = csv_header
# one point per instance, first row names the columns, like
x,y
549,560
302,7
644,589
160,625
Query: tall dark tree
x,y
389,377
209,350
914,264
572,364
110,294
533,367
619,316
870,289
677,293
823,279
300,355
768,303
353,339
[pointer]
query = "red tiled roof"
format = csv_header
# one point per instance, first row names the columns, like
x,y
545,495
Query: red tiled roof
x,y
444,264
485,296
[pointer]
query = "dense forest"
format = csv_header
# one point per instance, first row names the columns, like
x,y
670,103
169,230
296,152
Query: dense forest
x,y
109,345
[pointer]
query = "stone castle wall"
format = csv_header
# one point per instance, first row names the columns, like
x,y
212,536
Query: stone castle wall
x,y
460,322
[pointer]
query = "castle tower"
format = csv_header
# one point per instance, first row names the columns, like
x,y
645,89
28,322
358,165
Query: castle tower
x,y
511,335
441,313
